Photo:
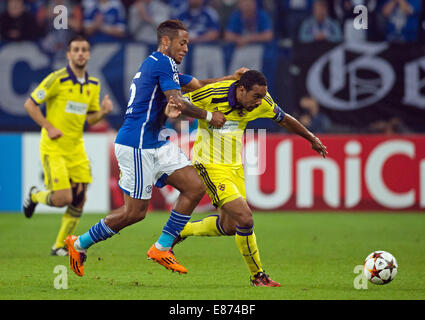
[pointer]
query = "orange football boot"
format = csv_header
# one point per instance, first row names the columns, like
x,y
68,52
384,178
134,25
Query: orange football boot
x,y
76,258
166,259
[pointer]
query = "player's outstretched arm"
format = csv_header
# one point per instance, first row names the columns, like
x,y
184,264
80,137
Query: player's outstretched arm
x,y
216,119
195,84
35,113
293,125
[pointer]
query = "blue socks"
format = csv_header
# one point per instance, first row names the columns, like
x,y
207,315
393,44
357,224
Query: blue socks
x,y
172,229
98,232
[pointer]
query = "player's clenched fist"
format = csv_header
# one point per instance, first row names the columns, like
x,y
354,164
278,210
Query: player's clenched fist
x,y
106,105
53,132
218,119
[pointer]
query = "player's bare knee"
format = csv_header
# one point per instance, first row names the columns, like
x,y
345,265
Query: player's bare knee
x,y
227,224
247,222
245,219
61,199
230,230
67,200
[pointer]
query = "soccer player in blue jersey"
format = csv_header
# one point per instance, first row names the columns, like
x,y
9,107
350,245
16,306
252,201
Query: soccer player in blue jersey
x,y
146,158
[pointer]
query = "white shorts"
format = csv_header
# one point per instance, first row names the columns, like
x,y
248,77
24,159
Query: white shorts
x,y
143,168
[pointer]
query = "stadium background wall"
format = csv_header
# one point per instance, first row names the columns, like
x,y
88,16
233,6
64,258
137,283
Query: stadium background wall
x,y
354,85
366,172
21,169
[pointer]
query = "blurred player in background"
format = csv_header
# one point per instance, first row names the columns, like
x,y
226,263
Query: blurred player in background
x,y
71,97
147,158
217,159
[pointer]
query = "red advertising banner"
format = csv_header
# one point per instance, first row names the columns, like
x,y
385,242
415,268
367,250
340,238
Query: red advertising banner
x,y
361,172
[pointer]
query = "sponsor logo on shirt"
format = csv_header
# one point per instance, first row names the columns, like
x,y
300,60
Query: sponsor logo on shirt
x,y
76,107
229,126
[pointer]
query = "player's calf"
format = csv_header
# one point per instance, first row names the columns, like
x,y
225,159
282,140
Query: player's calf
x,y
134,211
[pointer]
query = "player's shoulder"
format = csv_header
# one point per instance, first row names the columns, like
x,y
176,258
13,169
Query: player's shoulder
x,y
211,92
215,85
94,80
158,60
268,100
54,76
161,58
223,83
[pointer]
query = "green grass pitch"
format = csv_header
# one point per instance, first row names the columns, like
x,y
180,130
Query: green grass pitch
x,y
313,255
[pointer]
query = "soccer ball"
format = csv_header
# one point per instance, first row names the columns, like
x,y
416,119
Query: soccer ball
x,y
380,267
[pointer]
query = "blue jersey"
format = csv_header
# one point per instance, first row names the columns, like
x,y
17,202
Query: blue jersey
x,y
144,118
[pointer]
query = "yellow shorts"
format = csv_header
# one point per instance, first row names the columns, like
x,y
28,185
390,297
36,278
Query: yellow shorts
x,y
224,183
61,170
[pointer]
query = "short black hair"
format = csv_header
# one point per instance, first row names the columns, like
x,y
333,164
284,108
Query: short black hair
x,y
321,2
169,28
78,37
251,78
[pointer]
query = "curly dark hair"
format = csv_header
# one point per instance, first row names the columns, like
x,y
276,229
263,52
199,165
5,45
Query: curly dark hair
x,y
251,78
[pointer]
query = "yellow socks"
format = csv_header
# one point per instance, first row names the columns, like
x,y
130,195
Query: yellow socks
x,y
42,197
69,223
245,239
69,219
209,226
247,244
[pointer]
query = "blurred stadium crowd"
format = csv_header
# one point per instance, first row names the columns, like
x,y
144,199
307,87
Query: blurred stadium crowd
x,y
241,22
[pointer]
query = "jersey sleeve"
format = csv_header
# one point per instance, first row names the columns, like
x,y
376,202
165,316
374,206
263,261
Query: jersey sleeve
x,y
196,98
184,79
271,110
94,103
168,75
47,89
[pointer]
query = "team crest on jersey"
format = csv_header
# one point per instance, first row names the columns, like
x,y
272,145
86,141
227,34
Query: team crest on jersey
x,y
176,78
148,189
221,186
41,94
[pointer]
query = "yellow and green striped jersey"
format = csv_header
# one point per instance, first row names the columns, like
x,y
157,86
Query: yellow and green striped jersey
x,y
224,146
67,103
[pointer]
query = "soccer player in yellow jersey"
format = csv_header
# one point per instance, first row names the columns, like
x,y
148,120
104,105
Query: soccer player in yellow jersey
x,y
217,159
71,97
